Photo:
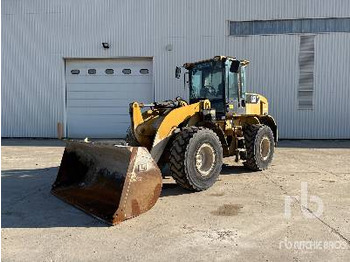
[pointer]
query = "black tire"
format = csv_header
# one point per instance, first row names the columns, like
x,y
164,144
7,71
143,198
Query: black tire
x,y
259,143
130,138
192,141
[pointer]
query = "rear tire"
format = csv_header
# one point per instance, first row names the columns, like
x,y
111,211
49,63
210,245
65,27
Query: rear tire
x,y
196,158
130,138
259,143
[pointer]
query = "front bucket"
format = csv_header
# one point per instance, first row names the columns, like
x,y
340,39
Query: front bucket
x,y
112,183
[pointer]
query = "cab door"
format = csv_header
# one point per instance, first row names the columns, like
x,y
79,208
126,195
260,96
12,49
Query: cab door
x,y
235,90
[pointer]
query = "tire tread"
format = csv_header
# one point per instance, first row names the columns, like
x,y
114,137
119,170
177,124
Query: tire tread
x,y
178,156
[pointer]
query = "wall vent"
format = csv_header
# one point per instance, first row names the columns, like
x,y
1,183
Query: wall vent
x,y
290,26
306,72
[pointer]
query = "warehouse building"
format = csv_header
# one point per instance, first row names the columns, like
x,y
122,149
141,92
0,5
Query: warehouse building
x,y
74,66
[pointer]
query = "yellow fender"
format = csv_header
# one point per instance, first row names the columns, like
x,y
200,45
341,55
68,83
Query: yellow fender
x,y
171,122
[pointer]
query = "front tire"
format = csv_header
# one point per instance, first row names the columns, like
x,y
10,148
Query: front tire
x,y
260,146
196,158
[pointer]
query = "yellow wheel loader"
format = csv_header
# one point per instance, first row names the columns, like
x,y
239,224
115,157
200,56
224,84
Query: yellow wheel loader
x,y
189,139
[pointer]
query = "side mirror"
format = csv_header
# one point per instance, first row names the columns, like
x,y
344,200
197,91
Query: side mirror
x,y
235,66
177,72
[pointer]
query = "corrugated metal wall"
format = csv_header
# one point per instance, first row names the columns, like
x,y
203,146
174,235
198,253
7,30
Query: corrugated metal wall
x,y
38,35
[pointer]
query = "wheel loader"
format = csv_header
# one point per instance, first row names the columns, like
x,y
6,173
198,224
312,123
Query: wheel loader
x,y
189,139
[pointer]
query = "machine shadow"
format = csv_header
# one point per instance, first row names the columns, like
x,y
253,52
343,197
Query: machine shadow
x,y
233,170
27,202
172,189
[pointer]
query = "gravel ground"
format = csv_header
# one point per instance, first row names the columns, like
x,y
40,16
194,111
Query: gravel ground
x,y
243,217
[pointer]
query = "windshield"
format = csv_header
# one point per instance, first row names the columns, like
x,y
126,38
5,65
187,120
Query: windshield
x,y
207,81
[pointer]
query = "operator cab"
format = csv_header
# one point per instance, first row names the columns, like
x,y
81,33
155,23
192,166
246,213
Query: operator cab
x,y
222,81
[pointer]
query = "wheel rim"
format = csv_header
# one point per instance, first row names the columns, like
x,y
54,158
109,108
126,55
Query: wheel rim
x,y
265,148
205,159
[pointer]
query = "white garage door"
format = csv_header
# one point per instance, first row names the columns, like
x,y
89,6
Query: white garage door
x,y
99,93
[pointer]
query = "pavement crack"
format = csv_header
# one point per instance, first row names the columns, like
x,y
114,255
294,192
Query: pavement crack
x,y
276,184
285,192
326,224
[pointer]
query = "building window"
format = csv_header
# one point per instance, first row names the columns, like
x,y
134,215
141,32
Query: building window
x,y
109,71
75,72
126,71
306,72
92,71
144,71
290,26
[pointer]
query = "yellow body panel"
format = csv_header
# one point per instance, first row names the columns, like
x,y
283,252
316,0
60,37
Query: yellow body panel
x,y
259,108
173,121
153,129
136,115
144,124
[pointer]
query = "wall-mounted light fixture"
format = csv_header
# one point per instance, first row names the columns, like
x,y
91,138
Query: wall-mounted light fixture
x,y
105,45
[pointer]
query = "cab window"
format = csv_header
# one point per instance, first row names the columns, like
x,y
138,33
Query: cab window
x,y
233,85
243,82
